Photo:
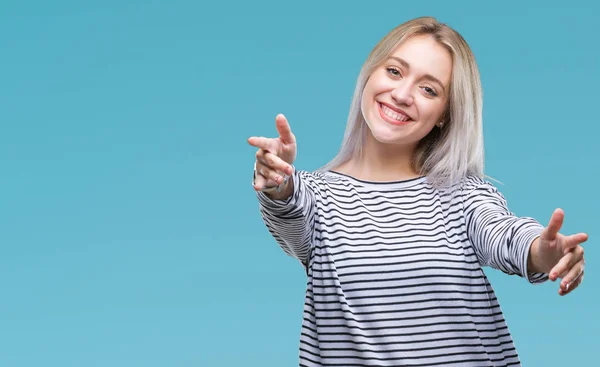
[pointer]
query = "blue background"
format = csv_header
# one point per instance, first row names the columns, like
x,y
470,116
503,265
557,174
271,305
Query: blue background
x,y
129,231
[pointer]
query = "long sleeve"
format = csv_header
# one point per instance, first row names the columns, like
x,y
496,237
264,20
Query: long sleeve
x,y
500,239
291,221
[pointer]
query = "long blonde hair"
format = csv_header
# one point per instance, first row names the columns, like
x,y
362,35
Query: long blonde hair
x,y
444,155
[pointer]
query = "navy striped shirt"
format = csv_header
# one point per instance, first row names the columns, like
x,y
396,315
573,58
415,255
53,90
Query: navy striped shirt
x,y
395,269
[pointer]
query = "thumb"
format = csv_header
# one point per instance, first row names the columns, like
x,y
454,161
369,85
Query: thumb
x,y
285,132
554,225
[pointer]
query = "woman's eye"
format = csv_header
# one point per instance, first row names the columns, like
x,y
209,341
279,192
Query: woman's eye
x,y
394,71
430,91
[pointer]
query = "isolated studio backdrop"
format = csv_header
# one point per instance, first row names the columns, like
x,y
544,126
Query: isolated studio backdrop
x,y
130,233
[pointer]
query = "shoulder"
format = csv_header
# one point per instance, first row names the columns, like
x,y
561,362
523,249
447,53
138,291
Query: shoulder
x,y
323,180
317,176
472,184
470,187
478,191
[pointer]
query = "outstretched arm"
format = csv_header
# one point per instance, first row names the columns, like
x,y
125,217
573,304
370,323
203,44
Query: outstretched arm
x,y
500,239
520,245
287,205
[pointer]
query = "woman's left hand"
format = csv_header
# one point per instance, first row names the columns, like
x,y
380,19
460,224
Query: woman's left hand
x,y
559,255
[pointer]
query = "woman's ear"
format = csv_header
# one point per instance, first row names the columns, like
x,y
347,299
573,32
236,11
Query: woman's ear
x,y
444,118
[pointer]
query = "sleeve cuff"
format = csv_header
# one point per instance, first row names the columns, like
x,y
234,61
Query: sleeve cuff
x,y
528,238
277,205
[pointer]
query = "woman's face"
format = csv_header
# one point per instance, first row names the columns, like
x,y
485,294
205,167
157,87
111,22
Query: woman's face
x,y
406,96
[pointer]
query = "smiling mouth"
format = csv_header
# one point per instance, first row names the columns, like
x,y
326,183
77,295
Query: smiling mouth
x,y
393,116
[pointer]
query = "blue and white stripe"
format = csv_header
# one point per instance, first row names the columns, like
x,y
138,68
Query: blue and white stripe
x,y
394,269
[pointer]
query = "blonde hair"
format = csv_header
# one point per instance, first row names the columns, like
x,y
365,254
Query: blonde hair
x,y
445,155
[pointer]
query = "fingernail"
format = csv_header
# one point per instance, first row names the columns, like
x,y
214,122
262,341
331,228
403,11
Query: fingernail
x,y
567,286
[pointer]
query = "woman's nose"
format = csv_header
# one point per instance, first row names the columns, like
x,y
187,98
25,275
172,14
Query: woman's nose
x,y
402,94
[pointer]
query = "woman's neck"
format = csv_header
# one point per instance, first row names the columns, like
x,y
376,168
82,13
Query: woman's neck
x,y
381,162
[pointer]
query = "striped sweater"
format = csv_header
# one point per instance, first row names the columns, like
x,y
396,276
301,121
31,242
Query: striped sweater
x,y
395,269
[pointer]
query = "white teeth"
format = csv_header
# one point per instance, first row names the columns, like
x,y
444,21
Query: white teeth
x,y
393,114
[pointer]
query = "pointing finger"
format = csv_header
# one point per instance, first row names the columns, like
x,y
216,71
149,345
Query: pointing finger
x,y
573,241
263,143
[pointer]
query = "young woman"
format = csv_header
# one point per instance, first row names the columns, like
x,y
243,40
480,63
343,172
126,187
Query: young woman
x,y
394,231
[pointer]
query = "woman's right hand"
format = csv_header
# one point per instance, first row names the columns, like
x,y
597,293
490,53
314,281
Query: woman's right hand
x,y
275,156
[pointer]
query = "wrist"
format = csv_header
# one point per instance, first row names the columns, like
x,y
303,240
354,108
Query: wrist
x,y
534,260
281,192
